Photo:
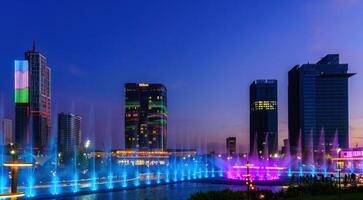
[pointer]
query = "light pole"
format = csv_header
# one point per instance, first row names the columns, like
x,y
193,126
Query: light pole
x,y
14,165
87,144
249,181
339,169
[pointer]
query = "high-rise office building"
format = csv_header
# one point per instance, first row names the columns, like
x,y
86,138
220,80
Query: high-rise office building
x,y
145,116
7,131
318,105
69,133
32,101
263,118
231,144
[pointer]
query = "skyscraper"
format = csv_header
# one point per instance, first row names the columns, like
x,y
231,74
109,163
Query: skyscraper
x,y
231,144
32,100
318,105
263,118
69,133
145,116
7,131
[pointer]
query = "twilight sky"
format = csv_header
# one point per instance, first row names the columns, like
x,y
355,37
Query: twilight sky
x,y
206,52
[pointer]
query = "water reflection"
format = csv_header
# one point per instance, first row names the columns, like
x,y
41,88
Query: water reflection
x,y
177,191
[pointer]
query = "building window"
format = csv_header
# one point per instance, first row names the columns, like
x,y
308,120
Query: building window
x,y
264,105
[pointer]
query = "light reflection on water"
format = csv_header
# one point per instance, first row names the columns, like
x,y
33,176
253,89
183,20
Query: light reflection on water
x,y
178,191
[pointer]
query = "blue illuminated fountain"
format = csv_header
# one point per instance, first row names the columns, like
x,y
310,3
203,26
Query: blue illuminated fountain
x,y
109,151
88,171
53,152
114,171
30,172
3,171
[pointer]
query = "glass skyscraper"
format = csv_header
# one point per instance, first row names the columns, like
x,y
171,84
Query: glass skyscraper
x,y
318,105
263,118
32,101
145,117
69,133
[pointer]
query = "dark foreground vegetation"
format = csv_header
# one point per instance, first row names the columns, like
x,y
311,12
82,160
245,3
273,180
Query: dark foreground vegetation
x,y
314,191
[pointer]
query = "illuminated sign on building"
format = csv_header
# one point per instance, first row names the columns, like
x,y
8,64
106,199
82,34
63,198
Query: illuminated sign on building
x,y
21,81
351,154
143,85
141,162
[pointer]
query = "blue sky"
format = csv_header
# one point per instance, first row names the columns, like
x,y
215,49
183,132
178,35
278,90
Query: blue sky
x,y
205,52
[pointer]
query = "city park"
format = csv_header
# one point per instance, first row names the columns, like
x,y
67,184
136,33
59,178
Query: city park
x,y
31,173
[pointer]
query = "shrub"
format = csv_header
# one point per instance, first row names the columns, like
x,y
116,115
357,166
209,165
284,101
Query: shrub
x,y
218,195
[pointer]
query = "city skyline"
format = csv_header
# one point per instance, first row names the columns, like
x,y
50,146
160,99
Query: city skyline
x,y
219,81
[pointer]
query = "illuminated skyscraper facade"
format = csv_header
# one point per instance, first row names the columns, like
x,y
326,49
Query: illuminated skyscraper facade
x,y
145,116
318,104
32,101
263,118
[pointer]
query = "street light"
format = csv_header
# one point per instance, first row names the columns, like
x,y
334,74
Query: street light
x,y
12,152
87,144
249,181
339,169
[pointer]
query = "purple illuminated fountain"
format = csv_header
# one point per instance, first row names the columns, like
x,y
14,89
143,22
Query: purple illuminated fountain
x,y
312,161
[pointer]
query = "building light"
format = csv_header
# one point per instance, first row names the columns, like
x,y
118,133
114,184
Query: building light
x,y
264,105
18,164
12,195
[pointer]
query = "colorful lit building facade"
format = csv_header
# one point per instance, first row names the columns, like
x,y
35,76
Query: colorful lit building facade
x,y
263,118
32,101
145,117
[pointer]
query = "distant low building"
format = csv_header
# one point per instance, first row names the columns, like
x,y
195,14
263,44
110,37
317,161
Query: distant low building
x,y
7,131
182,152
231,144
285,147
349,159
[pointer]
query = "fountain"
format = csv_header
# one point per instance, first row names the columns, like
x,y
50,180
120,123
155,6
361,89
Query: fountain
x,y
3,171
322,153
